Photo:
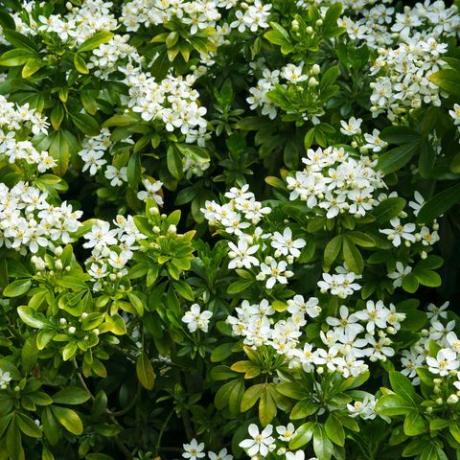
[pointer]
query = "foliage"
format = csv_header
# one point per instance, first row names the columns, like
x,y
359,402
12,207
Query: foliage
x,y
229,229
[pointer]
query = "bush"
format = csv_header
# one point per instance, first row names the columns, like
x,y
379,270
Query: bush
x,y
229,229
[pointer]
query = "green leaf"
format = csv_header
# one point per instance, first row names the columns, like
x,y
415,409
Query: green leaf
x,y
239,286
267,406
221,352
393,404
322,447
331,251
134,170
454,430
31,67
303,409
32,318
291,390
410,283
28,426
334,430
69,419
57,115
352,256
17,288
396,158
414,423
174,162
251,396
71,395
447,79
85,123
59,150
145,372
14,442
80,64
95,41
402,386
17,57
439,204
388,209
400,135
136,302
362,239
428,278
303,435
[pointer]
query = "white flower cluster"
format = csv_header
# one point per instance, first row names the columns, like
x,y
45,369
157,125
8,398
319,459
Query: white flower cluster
x,y
455,115
289,74
409,233
403,73
197,15
252,16
93,150
446,362
255,323
195,319
379,25
29,222
262,442
93,155
341,284
173,101
78,24
350,338
364,408
269,254
5,379
14,118
108,57
195,451
111,249
335,182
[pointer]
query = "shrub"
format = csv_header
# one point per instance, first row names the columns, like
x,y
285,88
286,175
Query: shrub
x,y
229,229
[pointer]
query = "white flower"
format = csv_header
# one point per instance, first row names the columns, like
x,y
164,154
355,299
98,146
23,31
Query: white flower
x,y
193,451
418,202
276,272
410,362
197,319
286,433
285,245
352,127
445,361
152,187
222,455
342,284
400,232
297,455
242,254
399,274
5,379
435,312
346,327
261,442
455,114
364,408
100,236
374,142
116,176
375,315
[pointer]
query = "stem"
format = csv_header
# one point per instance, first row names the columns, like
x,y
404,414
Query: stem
x,y
119,444
160,435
